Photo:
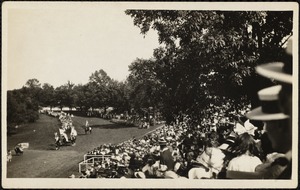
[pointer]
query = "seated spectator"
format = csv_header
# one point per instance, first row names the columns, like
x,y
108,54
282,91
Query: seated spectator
x,y
151,167
210,162
245,150
19,149
166,155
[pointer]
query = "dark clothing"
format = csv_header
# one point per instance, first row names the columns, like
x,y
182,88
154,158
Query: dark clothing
x,y
166,158
287,173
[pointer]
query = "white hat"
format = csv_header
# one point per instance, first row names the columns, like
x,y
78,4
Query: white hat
x,y
274,71
162,141
278,70
140,175
270,107
171,175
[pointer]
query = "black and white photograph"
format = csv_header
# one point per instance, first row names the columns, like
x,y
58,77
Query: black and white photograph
x,y
149,94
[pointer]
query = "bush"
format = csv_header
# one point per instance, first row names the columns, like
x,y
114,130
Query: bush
x,y
21,107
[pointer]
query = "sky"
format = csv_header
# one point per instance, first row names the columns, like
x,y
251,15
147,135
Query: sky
x,y
57,44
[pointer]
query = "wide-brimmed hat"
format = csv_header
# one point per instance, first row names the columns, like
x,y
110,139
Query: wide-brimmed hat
x,y
140,175
270,106
230,140
280,71
162,141
275,71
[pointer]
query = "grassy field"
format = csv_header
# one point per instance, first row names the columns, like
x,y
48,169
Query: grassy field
x,y
41,160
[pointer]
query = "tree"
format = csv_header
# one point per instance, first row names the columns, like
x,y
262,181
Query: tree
x,y
21,108
33,83
99,83
48,95
65,96
207,56
145,88
80,99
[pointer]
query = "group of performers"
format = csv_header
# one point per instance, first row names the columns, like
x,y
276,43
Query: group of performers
x,y
66,128
67,132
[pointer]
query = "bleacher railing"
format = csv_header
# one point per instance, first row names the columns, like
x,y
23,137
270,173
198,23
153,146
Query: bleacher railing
x,y
89,160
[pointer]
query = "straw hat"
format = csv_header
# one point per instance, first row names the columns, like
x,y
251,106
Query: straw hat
x,y
280,71
139,175
162,141
228,142
270,107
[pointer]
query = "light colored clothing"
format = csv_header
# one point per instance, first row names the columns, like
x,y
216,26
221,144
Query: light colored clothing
x,y
73,132
244,163
63,132
200,173
267,170
151,169
214,161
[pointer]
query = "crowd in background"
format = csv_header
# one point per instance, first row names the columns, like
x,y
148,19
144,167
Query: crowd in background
x,y
184,150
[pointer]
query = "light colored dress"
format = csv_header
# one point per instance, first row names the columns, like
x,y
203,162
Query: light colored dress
x,y
244,163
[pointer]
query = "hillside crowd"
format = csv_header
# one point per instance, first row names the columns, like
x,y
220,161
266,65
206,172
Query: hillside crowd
x,y
182,150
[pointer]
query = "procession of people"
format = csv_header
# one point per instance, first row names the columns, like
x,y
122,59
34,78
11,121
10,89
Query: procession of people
x,y
67,133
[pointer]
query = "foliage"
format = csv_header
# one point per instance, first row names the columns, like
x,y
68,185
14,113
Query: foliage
x,y
145,90
47,97
206,56
21,108
64,95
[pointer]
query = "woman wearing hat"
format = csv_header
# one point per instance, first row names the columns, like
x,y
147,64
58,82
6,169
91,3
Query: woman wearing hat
x,y
278,130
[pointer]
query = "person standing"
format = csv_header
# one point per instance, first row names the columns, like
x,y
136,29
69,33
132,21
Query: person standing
x,y
73,135
57,141
166,157
280,132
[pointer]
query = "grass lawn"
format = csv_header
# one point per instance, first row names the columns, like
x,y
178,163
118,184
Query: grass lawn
x,y
41,160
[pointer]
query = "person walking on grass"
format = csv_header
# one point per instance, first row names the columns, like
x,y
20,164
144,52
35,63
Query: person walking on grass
x,y
57,141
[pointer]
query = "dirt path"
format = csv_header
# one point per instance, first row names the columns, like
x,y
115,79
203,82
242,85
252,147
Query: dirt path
x,y
41,160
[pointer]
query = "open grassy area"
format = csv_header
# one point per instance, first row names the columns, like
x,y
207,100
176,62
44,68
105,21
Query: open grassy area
x,y
42,160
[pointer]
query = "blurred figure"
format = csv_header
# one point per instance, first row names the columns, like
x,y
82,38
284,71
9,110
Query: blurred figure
x,y
276,112
281,132
9,156
57,141
73,135
19,149
88,128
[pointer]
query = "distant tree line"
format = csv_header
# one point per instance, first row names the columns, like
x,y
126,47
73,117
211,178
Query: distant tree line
x,y
205,64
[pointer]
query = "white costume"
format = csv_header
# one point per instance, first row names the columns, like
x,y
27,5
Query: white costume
x,y
63,132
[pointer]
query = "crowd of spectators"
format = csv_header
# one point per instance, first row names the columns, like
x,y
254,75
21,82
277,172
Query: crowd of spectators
x,y
184,149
